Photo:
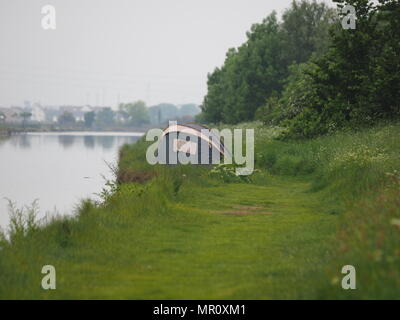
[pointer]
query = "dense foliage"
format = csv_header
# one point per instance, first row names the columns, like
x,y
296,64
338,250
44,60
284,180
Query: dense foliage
x,y
258,68
135,113
357,82
309,73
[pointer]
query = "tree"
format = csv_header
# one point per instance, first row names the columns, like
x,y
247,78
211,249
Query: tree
x,y
386,61
163,112
356,82
305,30
25,116
66,119
189,110
258,69
123,115
137,112
89,118
105,117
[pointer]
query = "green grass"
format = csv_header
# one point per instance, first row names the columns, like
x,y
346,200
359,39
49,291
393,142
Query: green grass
x,y
197,247
312,207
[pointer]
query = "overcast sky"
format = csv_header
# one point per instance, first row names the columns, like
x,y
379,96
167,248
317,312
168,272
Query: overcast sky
x,y
105,50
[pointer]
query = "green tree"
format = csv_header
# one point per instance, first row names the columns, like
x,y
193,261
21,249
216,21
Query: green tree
x,y
25,117
163,112
66,119
386,61
356,82
189,110
305,30
89,118
257,70
137,112
105,117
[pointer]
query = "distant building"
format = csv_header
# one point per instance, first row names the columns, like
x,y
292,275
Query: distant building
x,y
11,115
77,112
38,113
51,114
45,114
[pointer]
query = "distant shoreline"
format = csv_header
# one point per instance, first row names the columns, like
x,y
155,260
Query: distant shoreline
x,y
86,133
8,131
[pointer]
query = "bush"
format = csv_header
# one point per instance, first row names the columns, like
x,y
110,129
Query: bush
x,y
23,222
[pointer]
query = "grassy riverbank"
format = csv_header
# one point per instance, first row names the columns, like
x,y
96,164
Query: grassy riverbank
x,y
174,233
3,131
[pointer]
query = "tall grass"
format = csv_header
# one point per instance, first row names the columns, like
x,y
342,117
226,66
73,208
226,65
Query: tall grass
x,y
347,164
356,173
23,222
155,213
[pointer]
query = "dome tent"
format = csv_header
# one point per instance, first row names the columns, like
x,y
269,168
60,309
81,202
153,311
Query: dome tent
x,y
191,143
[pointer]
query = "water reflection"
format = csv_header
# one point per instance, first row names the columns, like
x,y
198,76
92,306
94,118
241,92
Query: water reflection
x,y
20,141
66,141
54,168
89,142
27,141
107,142
3,139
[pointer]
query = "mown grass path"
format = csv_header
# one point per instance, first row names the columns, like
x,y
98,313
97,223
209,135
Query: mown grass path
x,y
236,241
252,242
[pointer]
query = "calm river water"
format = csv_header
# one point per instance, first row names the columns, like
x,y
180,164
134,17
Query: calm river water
x,y
58,169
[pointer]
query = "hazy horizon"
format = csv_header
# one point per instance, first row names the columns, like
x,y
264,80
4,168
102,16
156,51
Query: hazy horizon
x,y
104,52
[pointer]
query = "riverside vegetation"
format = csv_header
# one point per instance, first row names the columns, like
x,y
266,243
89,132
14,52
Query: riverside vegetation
x,y
325,192
191,232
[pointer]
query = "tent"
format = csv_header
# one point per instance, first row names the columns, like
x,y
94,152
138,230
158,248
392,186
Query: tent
x,y
191,143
